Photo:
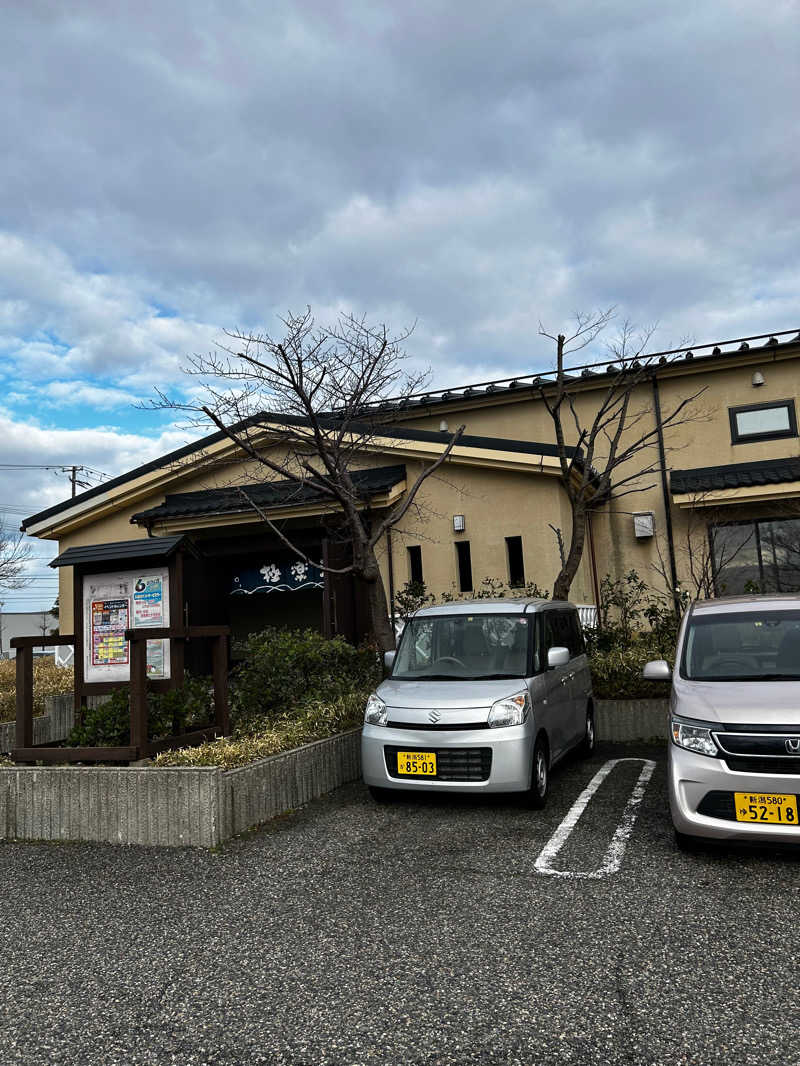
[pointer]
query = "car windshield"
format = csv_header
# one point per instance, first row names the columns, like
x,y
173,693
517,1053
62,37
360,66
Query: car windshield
x,y
743,646
463,647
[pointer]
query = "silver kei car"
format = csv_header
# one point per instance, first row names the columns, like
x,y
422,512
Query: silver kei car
x,y
734,751
483,696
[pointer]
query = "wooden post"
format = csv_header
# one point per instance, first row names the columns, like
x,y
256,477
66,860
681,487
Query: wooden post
x,y
177,620
24,697
78,640
138,697
219,659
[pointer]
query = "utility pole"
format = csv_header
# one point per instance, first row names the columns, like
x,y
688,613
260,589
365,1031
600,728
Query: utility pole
x,y
73,478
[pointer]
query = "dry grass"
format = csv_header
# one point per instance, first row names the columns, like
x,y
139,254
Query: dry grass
x,y
48,680
314,721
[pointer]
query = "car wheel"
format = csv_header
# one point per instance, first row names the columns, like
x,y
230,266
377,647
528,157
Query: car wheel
x,y
540,777
589,742
381,795
688,844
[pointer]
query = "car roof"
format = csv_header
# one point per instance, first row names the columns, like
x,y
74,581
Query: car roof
x,y
730,604
516,605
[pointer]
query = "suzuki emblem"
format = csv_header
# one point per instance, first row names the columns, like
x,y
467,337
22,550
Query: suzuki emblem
x,y
793,746
434,716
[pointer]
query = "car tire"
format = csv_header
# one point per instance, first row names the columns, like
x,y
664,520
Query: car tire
x,y
589,742
686,843
381,795
536,796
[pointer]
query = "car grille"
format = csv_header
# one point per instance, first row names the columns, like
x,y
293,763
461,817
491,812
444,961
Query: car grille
x,y
452,764
448,727
754,765
762,751
718,805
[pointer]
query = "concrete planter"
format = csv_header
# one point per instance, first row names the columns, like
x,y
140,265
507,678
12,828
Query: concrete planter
x,y
620,721
176,806
55,724
172,806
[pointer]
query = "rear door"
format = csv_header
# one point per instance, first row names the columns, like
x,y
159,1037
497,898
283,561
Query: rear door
x,y
580,680
555,684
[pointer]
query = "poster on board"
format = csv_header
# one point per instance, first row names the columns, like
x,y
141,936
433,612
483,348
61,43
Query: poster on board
x,y
109,622
112,603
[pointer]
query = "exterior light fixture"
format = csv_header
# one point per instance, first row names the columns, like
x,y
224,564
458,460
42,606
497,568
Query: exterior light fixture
x,y
443,427
459,523
757,379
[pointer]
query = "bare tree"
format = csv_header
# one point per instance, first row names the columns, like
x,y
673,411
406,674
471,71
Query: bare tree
x,y
606,454
14,554
303,409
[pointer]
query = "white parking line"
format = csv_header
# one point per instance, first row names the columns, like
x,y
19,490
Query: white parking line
x,y
612,860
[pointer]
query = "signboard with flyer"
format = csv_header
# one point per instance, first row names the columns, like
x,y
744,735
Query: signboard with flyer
x,y
112,603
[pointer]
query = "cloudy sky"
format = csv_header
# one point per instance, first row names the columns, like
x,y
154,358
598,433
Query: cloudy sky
x,y
169,170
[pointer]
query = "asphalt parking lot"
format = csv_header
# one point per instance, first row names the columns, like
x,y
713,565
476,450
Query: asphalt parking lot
x,y
421,932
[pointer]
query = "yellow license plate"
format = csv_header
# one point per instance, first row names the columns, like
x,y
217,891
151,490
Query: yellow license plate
x,y
769,807
417,763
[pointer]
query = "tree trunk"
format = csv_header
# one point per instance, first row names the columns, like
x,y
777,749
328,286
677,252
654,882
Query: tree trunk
x,y
563,582
380,626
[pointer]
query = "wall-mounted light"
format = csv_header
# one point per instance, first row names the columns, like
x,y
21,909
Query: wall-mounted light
x,y
459,523
443,427
758,379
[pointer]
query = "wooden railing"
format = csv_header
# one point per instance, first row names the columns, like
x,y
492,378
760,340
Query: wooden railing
x,y
140,745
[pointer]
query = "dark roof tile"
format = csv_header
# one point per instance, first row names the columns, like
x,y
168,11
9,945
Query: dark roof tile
x,y
736,475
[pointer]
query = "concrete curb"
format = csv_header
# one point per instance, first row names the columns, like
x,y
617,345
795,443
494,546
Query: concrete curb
x,y
55,724
176,806
170,806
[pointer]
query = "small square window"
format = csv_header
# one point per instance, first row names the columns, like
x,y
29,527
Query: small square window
x,y
763,421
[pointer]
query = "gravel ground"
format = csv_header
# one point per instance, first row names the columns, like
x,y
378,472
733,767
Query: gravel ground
x,y
416,933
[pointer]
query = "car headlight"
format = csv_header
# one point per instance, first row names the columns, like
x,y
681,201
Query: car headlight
x,y
694,738
511,711
375,714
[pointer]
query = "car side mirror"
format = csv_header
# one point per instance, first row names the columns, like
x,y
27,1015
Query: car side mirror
x,y
657,670
388,660
557,657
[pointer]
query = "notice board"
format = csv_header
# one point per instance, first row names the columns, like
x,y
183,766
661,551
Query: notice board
x,y
112,603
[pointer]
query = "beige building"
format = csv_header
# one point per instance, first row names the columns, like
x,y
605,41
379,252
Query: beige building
x,y
718,508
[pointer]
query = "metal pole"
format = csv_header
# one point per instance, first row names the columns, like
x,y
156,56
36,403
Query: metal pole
x,y
662,456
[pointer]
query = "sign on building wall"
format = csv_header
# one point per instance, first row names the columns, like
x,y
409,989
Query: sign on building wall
x,y
112,603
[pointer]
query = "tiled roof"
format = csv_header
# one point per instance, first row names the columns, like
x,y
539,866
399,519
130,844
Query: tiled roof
x,y
120,551
268,494
735,476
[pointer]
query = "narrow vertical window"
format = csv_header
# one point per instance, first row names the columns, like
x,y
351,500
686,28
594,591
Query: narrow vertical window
x,y
464,566
516,567
415,564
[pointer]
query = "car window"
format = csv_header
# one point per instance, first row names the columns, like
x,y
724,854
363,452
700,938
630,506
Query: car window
x,y
462,646
743,646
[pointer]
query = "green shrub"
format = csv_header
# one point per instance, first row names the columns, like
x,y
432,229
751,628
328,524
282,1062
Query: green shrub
x,y
617,672
169,713
315,721
284,668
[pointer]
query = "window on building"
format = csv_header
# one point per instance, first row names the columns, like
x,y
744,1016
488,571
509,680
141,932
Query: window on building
x,y
516,567
464,566
415,564
757,556
763,421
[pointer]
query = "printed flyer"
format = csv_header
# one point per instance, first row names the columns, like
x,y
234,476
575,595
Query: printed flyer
x,y
109,622
148,601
